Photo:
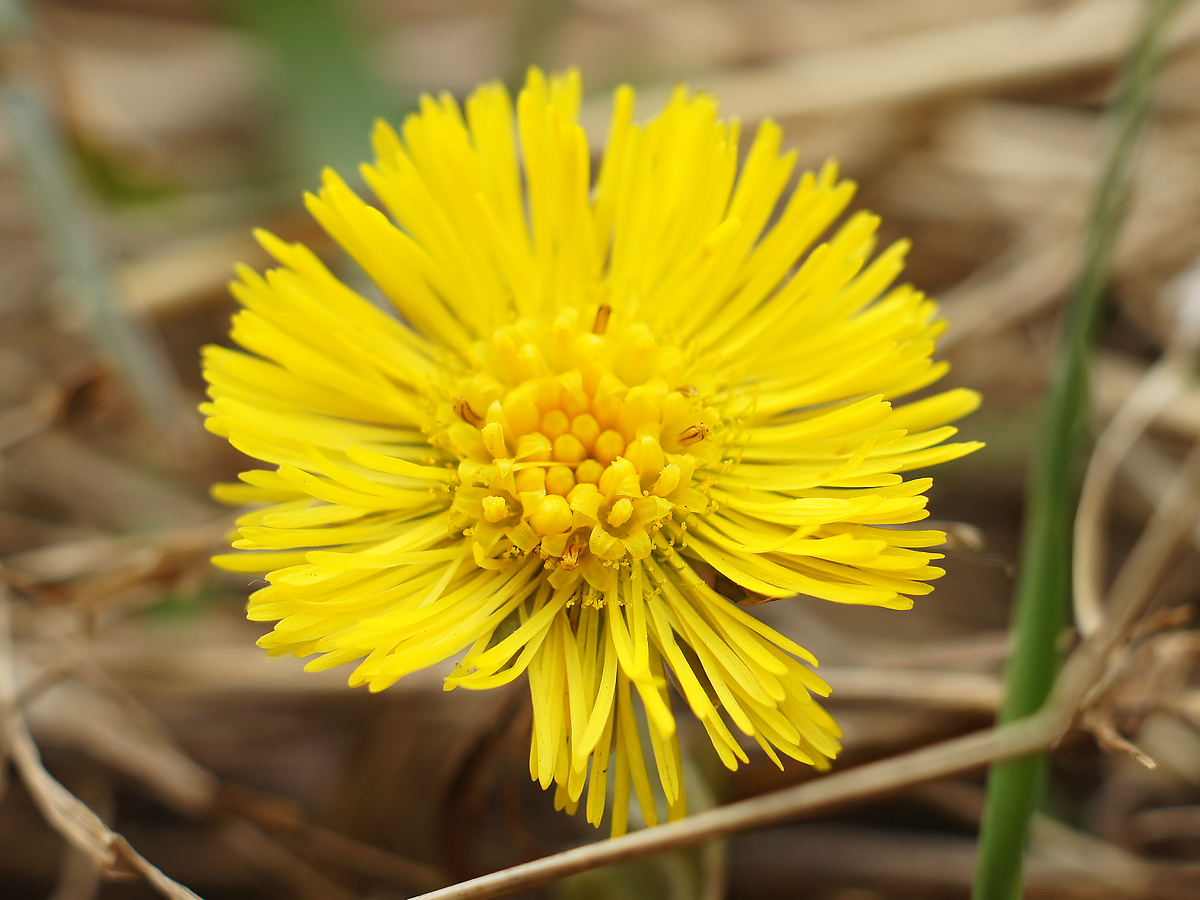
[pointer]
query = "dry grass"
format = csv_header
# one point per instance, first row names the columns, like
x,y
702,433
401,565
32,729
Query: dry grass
x,y
139,714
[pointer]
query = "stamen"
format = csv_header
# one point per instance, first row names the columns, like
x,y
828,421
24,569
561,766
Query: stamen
x,y
620,512
463,410
495,509
575,547
602,315
581,448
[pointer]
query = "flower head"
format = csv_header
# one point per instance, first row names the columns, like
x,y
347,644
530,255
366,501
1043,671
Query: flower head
x,y
602,418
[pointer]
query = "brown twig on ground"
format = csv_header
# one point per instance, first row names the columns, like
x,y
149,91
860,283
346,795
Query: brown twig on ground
x,y
71,818
873,779
1141,407
259,850
946,690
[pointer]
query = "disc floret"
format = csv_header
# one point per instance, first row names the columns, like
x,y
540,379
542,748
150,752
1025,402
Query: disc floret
x,y
569,459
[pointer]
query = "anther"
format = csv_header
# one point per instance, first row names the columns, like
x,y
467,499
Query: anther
x,y
463,410
570,557
620,512
602,315
693,434
688,390
495,509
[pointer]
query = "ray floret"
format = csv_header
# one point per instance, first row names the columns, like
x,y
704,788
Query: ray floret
x,y
608,412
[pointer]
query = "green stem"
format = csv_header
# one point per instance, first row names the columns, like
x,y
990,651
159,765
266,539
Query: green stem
x,y
1043,587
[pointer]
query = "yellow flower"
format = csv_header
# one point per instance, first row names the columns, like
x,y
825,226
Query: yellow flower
x,y
596,418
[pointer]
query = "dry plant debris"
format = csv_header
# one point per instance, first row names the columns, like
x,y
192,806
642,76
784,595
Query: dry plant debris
x,y
137,712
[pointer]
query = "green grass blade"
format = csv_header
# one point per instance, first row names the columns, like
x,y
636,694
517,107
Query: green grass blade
x,y
1043,587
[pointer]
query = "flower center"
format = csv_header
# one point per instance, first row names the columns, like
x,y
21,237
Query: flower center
x,y
576,465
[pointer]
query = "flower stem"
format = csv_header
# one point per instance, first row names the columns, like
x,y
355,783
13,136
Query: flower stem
x,y
1043,587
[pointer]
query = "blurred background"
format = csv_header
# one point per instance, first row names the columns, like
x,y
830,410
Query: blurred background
x,y
141,140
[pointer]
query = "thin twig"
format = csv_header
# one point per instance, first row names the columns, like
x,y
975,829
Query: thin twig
x,y
947,690
1161,383
260,850
69,816
1132,590
947,758
1129,423
330,847
131,741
